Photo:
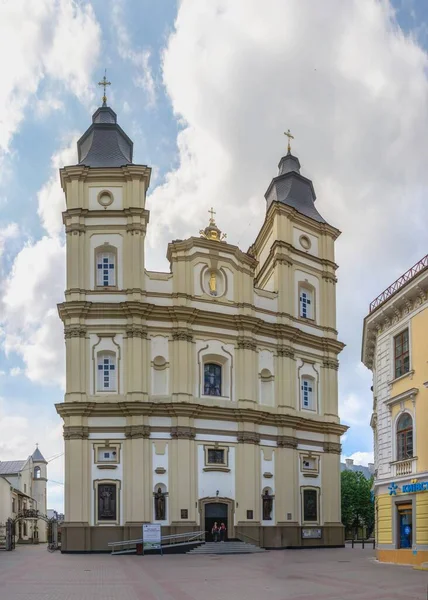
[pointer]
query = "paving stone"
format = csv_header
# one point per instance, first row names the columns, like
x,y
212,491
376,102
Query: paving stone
x,y
32,573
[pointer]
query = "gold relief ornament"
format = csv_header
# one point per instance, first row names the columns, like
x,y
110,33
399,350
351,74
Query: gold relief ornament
x,y
212,232
213,283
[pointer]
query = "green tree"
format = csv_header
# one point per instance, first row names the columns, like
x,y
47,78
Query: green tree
x,y
357,505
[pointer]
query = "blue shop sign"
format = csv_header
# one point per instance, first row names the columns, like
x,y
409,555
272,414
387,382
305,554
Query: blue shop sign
x,y
408,488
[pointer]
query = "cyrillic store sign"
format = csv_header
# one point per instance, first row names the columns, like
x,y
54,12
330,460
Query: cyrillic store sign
x,y
408,488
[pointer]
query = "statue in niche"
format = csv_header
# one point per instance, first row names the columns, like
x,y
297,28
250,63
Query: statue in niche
x,y
160,505
267,506
213,283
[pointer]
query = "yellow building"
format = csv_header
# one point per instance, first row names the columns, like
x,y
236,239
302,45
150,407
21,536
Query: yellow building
x,y
206,393
395,348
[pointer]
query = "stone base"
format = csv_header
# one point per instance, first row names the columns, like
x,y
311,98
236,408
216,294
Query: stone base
x,y
81,537
290,536
403,557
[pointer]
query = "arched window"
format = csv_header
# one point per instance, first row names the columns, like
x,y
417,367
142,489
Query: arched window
x,y
306,303
307,393
212,379
37,473
106,369
106,268
404,437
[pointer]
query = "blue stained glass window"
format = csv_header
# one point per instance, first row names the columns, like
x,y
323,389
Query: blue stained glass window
x,y
212,380
307,391
305,305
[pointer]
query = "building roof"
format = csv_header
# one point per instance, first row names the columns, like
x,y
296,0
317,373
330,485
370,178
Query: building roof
x,y
368,472
291,188
10,467
104,144
37,456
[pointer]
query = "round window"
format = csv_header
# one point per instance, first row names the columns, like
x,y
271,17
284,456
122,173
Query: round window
x,y
305,242
105,198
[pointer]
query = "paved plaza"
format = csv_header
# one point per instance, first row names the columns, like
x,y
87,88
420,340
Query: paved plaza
x,y
30,572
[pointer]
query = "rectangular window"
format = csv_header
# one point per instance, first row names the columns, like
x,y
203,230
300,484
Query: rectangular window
x,y
307,389
215,456
305,300
105,269
401,353
107,502
250,515
310,505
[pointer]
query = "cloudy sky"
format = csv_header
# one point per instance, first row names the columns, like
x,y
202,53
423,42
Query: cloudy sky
x,y
205,88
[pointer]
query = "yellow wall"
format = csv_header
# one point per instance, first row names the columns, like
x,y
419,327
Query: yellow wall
x,y
384,519
416,379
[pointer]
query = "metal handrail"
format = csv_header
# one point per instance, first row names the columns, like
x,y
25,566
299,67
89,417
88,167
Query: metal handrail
x,y
249,537
420,266
191,535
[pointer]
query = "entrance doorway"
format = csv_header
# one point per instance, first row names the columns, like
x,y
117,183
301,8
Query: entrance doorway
x,y
405,525
215,511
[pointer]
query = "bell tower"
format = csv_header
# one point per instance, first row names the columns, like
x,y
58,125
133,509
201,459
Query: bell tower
x,y
105,223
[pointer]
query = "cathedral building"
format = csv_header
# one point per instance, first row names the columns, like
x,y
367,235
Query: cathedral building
x,y
207,393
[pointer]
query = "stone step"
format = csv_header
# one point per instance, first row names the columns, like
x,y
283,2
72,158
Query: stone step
x,y
226,548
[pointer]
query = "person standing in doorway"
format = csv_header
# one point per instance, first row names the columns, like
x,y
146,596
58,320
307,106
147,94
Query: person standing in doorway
x,y
222,532
215,532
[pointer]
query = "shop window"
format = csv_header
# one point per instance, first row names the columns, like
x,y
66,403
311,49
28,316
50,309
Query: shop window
x,y
405,525
405,437
401,353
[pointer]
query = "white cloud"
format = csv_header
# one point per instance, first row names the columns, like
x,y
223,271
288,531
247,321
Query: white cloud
x,y
140,59
9,232
58,39
51,197
31,325
48,104
15,371
360,458
239,73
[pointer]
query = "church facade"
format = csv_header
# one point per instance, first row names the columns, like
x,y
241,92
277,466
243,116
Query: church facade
x,y
208,393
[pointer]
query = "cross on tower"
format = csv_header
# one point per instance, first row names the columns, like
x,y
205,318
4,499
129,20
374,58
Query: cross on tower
x,y
290,137
104,83
212,213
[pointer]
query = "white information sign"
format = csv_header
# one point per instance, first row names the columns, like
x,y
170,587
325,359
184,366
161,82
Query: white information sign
x,y
151,536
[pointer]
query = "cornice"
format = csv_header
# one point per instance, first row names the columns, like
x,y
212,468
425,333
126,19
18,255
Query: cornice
x,y
193,316
180,246
332,448
83,173
75,432
287,441
402,305
248,437
183,433
137,431
196,411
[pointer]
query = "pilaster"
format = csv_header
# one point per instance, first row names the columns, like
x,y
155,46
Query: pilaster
x,y
285,381
246,372
182,365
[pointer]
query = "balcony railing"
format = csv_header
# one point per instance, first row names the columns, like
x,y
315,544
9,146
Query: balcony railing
x,y
399,283
405,467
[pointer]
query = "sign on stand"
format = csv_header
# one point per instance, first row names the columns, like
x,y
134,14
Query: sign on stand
x,y
152,537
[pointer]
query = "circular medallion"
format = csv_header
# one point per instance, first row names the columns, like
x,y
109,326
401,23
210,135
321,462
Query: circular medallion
x,y
105,198
305,242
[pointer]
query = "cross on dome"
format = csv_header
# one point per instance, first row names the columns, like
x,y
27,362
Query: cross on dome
x,y
104,83
290,137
